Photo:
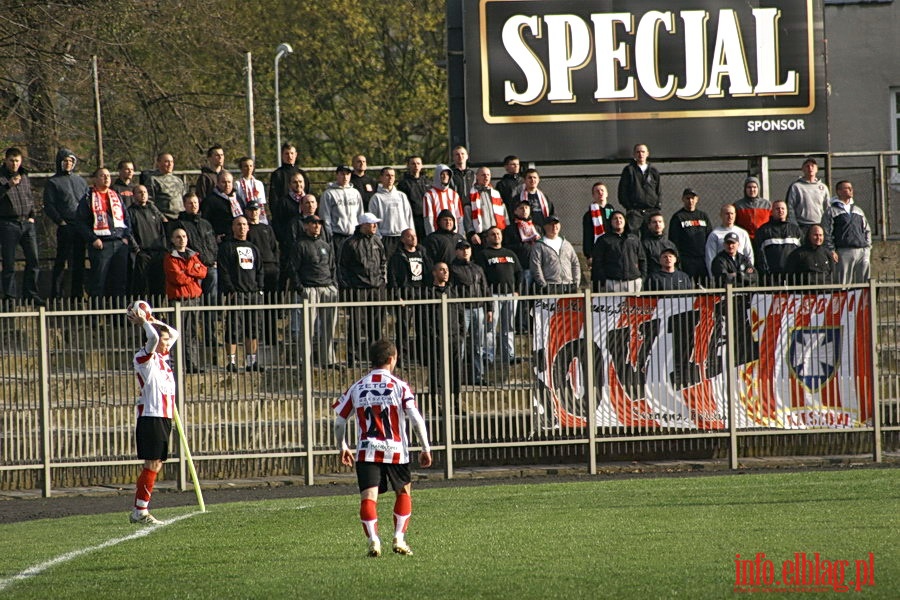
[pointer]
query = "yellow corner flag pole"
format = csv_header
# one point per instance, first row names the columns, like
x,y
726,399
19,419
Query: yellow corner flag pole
x,y
190,461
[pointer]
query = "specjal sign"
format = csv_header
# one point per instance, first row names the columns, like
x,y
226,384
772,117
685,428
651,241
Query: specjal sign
x,y
559,80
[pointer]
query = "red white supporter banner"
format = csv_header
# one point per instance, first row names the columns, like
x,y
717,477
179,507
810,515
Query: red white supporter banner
x,y
802,361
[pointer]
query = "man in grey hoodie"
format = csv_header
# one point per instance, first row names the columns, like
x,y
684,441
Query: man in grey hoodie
x,y
61,196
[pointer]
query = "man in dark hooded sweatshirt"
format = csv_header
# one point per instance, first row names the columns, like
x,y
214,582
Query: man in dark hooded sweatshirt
x,y
441,245
362,274
61,196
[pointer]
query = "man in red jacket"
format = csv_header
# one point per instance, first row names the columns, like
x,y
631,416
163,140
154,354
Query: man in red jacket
x,y
184,273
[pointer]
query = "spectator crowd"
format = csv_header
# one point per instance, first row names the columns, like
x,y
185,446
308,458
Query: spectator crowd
x,y
386,238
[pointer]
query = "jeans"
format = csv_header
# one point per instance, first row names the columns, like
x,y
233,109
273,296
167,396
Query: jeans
x,y
504,320
109,268
19,233
69,249
472,342
322,321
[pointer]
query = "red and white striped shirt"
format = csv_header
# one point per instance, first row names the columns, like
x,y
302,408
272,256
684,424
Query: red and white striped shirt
x,y
436,200
380,401
155,377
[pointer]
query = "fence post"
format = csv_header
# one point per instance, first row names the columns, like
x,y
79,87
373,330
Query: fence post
x,y
874,378
730,377
593,399
307,394
46,446
883,197
449,413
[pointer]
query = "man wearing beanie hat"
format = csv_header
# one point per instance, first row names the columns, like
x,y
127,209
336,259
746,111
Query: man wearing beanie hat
x,y
752,210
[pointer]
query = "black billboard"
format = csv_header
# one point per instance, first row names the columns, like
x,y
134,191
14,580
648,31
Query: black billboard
x,y
581,80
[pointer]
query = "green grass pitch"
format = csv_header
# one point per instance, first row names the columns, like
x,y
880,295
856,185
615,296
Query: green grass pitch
x,y
639,538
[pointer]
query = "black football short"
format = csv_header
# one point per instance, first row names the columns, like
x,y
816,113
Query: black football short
x,y
152,434
370,474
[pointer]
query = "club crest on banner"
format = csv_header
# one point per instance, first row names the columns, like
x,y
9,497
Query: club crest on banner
x,y
814,355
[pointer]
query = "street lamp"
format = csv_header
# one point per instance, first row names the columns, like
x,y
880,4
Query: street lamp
x,y
279,52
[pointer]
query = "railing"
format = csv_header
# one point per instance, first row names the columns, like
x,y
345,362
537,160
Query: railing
x,y
667,375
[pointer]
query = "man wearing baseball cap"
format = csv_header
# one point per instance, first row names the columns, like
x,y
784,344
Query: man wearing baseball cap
x,y
689,228
730,266
263,237
313,278
362,275
668,277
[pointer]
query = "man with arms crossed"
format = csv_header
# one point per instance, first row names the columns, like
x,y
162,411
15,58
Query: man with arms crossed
x,y
381,403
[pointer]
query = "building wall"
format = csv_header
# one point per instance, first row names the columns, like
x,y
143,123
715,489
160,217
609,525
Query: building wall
x,y
863,54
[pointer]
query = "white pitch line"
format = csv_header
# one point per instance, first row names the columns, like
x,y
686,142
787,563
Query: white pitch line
x,y
63,558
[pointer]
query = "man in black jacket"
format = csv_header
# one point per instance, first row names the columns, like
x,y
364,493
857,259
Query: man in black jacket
x,y
209,173
103,223
774,242
363,277
733,267
469,282
504,276
240,286
414,184
17,227
654,242
689,228
148,231
441,244
221,206
61,196
668,277
202,239
313,278
409,271
280,180
812,263
510,182
639,191
618,261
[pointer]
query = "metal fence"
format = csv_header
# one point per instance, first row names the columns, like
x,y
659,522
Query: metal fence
x,y
67,389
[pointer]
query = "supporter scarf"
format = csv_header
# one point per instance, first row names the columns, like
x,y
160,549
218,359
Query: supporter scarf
x,y
542,199
597,220
236,209
527,232
251,190
98,207
480,217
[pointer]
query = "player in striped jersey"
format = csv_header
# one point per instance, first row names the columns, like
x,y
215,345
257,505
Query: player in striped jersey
x,y
381,403
155,408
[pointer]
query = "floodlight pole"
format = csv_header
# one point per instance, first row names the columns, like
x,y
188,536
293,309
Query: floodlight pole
x,y
279,52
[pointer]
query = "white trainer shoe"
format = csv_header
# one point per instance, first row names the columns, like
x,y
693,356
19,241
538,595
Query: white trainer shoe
x,y
375,548
401,547
143,517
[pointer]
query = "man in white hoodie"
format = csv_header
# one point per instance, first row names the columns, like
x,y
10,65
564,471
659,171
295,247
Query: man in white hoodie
x,y
715,243
341,206
391,206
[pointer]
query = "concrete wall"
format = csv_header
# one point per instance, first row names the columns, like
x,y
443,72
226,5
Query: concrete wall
x,y
863,54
